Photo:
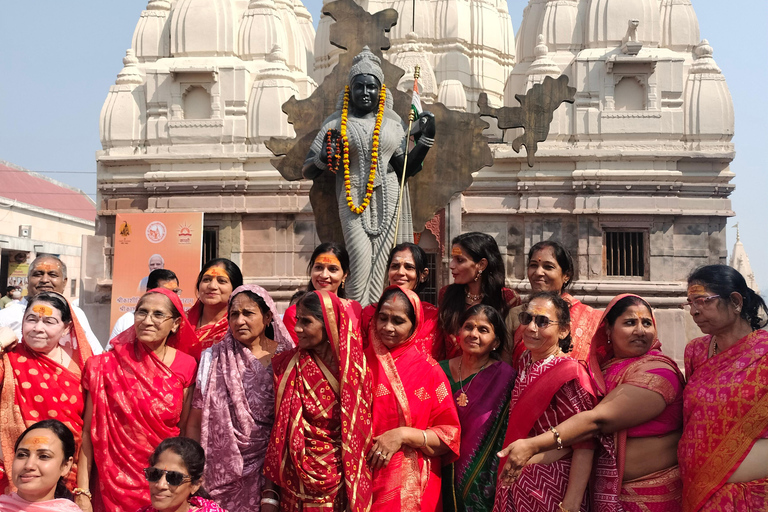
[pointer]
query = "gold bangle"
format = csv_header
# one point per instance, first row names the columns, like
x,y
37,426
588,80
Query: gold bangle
x,y
557,438
562,508
78,491
425,438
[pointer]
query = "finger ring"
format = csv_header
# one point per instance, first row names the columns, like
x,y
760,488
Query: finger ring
x,y
378,454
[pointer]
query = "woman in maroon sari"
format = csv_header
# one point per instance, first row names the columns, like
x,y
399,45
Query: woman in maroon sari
x,y
415,424
551,388
233,408
724,446
137,395
208,315
550,269
322,430
481,386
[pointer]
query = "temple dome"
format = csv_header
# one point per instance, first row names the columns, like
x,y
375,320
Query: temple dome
x,y
679,25
122,123
607,22
708,102
201,28
260,30
152,37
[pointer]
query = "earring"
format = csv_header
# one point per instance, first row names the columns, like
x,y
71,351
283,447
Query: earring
x,y
343,282
609,341
738,309
477,276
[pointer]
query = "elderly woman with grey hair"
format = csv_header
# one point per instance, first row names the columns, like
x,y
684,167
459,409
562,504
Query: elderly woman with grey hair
x,y
363,143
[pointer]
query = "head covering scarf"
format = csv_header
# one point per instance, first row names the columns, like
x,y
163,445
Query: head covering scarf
x,y
14,503
238,412
601,351
308,426
33,385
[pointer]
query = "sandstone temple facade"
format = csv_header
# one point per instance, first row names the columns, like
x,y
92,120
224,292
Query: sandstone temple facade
x,y
634,177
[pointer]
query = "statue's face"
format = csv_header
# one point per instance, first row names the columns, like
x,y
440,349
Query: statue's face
x,y
364,93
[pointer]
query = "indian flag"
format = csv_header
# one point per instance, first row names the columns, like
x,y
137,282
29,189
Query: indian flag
x,y
416,100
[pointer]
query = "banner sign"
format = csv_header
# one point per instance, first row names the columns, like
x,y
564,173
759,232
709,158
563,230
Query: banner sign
x,y
148,241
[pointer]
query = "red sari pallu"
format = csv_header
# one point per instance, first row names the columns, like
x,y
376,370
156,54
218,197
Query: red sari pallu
x,y
322,430
725,412
546,393
206,336
137,402
36,388
410,390
427,340
660,491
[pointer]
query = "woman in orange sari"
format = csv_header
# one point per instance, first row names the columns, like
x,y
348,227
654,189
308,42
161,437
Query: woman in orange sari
x,y
322,429
41,376
208,315
414,417
550,269
724,447
138,394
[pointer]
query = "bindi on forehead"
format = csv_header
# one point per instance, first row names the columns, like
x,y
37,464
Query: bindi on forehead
x,y
43,309
328,259
216,272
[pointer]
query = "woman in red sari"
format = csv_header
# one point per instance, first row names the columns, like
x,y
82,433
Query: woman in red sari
x,y
415,423
642,409
208,315
550,388
724,447
138,394
322,429
38,373
550,269
407,268
478,278
328,270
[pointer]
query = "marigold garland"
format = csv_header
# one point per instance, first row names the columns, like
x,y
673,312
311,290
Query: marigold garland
x,y
374,151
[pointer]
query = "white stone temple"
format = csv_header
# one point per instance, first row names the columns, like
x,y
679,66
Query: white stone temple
x,y
634,178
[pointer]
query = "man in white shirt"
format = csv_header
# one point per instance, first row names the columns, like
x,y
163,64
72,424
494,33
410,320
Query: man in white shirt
x,y
47,273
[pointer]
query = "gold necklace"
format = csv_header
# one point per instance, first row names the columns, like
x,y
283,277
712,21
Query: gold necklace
x,y
463,400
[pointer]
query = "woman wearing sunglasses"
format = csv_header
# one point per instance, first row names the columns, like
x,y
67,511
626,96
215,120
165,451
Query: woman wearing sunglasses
x,y
138,394
175,476
551,269
642,409
42,459
550,388
724,447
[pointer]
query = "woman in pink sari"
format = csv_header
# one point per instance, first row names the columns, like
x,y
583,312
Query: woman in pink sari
x,y
415,425
551,388
233,408
642,409
550,269
138,394
724,447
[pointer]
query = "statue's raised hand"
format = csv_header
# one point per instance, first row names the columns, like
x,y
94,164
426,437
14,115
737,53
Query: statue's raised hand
x,y
427,124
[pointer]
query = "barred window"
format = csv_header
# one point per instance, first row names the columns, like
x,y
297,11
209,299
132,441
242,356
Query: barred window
x,y
624,253
429,292
210,244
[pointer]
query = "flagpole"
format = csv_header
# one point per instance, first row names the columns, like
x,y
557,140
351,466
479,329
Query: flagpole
x,y
411,116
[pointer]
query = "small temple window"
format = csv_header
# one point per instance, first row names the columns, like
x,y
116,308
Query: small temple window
x,y
624,253
629,94
210,244
197,103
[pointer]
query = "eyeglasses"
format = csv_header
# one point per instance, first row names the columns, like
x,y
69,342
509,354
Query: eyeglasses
x,y
541,321
156,317
174,478
701,302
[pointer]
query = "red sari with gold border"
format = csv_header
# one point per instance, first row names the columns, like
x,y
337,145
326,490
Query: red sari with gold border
x,y
322,430
207,335
35,388
725,412
410,390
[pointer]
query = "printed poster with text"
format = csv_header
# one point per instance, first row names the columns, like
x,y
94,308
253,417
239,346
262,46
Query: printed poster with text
x,y
148,241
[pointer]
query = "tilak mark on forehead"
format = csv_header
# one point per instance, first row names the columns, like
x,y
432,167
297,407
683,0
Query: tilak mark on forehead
x,y
42,310
216,272
38,441
456,251
697,289
328,259
46,267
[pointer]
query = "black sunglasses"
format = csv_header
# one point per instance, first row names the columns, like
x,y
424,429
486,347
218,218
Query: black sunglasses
x,y
173,478
541,321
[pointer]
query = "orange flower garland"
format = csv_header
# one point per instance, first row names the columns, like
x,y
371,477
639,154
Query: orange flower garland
x,y
374,151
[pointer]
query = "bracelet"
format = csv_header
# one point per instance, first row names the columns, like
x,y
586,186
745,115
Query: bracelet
x,y
557,438
270,501
426,141
562,508
425,438
79,491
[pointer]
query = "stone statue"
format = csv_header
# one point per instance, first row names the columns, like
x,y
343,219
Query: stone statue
x,y
363,143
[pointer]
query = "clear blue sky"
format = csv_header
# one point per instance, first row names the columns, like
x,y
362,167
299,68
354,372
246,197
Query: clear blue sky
x,y
58,60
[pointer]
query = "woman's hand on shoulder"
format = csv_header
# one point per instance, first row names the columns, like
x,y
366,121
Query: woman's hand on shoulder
x,y
384,447
518,454
7,339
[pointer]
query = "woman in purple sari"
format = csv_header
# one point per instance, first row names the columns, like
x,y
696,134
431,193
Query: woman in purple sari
x,y
234,404
481,386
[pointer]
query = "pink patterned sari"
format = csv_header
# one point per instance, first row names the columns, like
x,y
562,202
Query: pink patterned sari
x,y
725,412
